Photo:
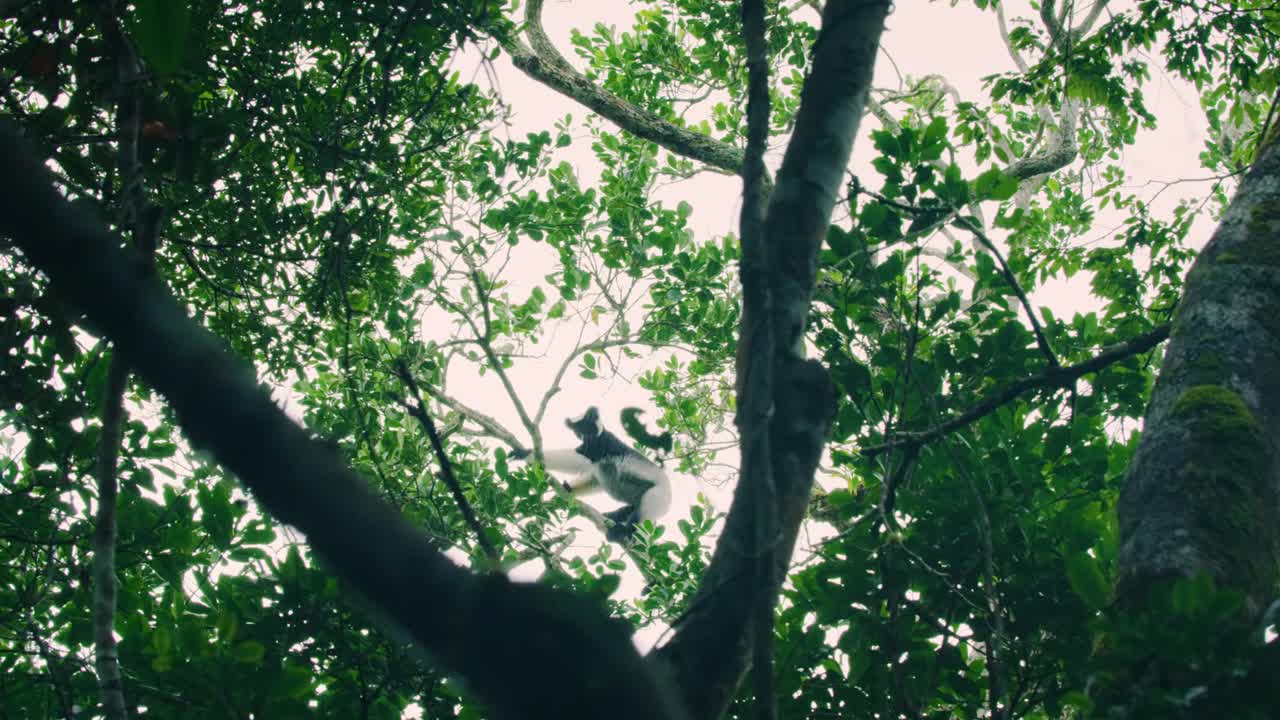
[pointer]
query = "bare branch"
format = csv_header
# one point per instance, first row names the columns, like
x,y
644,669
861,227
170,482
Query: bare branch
x,y
1003,24
597,346
490,425
486,346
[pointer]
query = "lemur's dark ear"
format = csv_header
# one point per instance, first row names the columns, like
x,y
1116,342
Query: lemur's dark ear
x,y
587,425
519,453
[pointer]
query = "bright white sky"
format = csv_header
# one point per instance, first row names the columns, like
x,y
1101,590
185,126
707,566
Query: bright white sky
x,y
960,43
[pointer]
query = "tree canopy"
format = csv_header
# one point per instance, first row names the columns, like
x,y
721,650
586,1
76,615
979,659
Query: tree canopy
x,y
282,290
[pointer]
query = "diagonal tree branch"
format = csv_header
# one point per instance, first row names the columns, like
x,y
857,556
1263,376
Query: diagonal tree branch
x,y
484,628
419,410
1041,339
1048,378
541,61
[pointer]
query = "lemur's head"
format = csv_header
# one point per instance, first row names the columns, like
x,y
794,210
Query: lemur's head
x,y
587,426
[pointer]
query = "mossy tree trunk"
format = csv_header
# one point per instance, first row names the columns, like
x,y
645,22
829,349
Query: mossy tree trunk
x,y
1203,492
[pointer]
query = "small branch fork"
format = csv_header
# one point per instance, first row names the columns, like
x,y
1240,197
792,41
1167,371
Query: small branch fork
x,y
971,225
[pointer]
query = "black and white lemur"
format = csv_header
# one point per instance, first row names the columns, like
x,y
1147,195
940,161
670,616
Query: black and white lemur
x,y
602,461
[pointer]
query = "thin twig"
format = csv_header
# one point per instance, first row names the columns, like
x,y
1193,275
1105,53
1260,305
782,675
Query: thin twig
x,y
1049,377
419,411
1009,277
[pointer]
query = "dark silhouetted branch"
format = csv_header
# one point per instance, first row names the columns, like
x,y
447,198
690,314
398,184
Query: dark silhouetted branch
x,y
418,409
1048,378
482,627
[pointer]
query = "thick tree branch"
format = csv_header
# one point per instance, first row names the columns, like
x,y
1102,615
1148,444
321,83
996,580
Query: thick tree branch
x,y
541,61
1048,378
757,336
484,628
784,431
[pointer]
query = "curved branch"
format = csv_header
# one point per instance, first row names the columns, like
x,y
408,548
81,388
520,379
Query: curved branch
x,y
541,61
1061,150
1047,378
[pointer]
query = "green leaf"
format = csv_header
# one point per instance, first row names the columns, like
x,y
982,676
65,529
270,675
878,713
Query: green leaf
x,y
936,132
995,185
160,28
294,681
1086,580
226,626
249,652
423,273
608,584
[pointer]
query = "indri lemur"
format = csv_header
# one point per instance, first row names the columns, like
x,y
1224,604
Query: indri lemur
x,y
605,462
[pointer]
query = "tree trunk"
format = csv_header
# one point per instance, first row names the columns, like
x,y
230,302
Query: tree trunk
x,y
1203,491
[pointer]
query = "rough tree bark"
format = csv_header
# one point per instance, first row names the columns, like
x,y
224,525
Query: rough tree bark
x,y
1203,490
787,403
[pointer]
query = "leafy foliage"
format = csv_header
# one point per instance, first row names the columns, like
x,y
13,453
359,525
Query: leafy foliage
x,y
338,198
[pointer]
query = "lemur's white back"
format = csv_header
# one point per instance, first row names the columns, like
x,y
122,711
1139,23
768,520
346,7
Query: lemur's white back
x,y
654,504
566,461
